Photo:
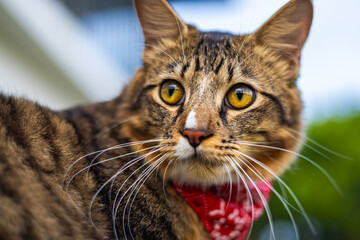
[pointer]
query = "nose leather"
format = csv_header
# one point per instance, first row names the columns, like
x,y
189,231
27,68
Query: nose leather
x,y
195,136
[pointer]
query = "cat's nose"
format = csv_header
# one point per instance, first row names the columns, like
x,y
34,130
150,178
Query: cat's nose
x,y
195,136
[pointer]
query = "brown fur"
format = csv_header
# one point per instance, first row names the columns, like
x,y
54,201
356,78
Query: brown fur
x,y
38,147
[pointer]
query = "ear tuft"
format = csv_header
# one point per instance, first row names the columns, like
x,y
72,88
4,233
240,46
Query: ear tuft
x,y
158,20
288,29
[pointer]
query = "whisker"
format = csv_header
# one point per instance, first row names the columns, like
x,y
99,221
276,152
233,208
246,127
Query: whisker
x,y
163,60
269,185
302,210
264,201
181,38
72,165
248,192
250,55
230,184
164,175
112,183
308,146
318,144
284,202
104,150
303,157
97,163
162,52
132,188
126,166
238,182
110,189
109,129
122,185
69,195
124,155
141,182
283,191
114,208
238,53
241,47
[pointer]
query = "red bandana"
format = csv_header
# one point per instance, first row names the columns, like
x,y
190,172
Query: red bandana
x,y
226,218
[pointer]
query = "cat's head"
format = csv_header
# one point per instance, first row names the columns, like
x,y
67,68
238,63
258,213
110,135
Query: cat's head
x,y
222,103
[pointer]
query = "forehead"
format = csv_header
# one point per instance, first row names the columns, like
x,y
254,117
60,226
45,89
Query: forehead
x,y
212,43
211,58
211,50
217,58
223,58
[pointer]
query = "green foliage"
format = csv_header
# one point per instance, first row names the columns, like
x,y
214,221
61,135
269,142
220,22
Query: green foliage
x,y
335,215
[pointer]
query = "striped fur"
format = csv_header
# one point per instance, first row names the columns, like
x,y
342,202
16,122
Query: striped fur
x,y
41,149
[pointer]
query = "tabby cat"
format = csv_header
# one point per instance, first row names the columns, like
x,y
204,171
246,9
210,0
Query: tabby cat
x,y
206,108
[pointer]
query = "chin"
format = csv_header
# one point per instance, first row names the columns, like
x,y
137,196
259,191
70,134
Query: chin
x,y
199,172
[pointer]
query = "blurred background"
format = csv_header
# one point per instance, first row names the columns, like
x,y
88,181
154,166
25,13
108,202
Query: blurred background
x,y
63,53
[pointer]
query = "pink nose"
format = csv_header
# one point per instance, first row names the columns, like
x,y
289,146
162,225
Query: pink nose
x,y
195,136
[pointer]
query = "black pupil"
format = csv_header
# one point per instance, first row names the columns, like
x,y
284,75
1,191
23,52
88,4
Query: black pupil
x,y
239,93
172,88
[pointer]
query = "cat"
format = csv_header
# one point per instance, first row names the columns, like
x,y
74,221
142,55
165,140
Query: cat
x,y
206,108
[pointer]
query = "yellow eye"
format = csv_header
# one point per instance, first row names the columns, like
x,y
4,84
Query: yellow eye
x,y
240,96
171,92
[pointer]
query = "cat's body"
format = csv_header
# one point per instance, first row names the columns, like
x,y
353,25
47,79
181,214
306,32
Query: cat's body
x,y
52,164
40,149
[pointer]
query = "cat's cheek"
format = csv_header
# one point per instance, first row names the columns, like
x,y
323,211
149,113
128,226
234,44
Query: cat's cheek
x,y
167,119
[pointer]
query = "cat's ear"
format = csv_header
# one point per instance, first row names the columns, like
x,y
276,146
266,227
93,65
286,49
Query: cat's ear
x,y
158,20
288,29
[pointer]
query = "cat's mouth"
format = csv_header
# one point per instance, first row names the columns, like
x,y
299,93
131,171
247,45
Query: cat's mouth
x,y
201,158
195,156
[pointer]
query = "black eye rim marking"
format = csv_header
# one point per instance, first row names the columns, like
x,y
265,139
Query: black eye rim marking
x,y
278,103
183,70
139,96
229,106
182,98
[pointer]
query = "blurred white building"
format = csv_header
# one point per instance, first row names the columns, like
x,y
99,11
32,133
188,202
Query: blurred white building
x,y
46,55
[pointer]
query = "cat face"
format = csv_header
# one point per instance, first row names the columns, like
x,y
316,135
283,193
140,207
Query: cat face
x,y
222,104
